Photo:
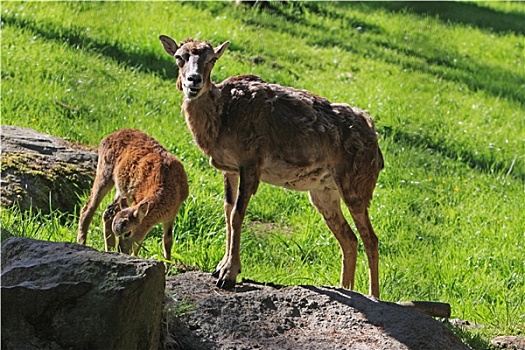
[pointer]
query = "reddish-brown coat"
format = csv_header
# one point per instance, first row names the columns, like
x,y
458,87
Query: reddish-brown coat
x,y
146,176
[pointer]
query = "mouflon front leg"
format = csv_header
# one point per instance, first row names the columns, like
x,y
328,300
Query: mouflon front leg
x,y
231,183
230,266
107,219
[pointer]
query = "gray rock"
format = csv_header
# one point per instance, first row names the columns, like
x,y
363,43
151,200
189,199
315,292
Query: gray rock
x,y
43,172
68,296
255,316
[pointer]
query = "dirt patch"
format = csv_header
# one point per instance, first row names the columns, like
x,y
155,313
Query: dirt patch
x,y
255,316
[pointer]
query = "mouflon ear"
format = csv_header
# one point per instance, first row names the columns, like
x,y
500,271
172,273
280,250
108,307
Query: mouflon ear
x,y
141,211
170,46
123,203
220,49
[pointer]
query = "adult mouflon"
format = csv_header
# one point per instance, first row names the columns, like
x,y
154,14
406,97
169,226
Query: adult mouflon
x,y
255,131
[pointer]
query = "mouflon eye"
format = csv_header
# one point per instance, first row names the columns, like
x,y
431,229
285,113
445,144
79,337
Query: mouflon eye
x,y
179,60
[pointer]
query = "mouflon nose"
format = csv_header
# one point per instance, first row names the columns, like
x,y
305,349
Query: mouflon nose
x,y
195,79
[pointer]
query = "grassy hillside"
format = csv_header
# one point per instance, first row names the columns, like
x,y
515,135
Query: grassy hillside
x,y
445,83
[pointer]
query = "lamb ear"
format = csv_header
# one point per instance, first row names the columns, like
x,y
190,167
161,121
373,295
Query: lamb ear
x,y
141,211
220,49
123,203
170,46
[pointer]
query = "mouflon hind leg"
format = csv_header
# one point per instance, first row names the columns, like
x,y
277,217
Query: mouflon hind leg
x,y
328,203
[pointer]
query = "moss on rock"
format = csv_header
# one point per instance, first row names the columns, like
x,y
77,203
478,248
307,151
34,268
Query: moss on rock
x,y
46,181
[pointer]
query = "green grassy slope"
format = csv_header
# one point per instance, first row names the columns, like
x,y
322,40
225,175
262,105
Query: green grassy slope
x,y
445,83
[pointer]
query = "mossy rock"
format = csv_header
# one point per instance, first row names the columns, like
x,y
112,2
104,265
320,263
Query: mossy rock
x,y
47,174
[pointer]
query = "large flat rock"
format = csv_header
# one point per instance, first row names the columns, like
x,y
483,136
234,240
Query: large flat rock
x,y
302,317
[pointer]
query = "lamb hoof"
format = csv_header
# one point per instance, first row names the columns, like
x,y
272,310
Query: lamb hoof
x,y
225,284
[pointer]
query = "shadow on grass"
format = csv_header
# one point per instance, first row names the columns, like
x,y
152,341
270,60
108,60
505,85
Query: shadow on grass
x,y
76,38
440,62
464,13
470,157
445,64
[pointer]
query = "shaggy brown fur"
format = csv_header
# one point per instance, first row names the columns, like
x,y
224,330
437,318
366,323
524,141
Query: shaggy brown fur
x,y
145,175
255,131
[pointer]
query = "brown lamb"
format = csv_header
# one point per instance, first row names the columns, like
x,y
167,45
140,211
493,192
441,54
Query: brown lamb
x,y
255,131
146,175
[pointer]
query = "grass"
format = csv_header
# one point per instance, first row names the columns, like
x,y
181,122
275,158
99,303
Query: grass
x,y
444,82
